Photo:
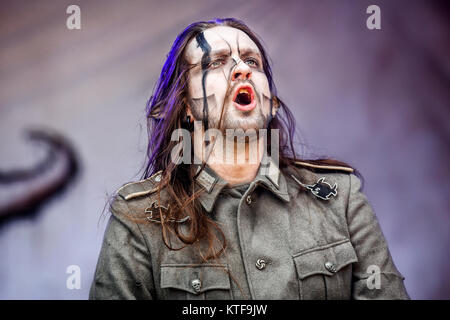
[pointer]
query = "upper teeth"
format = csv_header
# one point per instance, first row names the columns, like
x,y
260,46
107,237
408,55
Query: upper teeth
x,y
243,90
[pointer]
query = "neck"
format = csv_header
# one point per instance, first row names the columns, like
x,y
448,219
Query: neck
x,y
235,162
236,174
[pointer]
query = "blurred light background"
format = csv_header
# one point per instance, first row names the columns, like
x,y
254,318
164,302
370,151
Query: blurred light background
x,y
378,99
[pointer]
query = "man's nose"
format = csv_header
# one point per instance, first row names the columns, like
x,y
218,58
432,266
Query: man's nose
x,y
242,71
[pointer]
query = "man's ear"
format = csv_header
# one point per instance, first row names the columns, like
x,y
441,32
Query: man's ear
x,y
189,111
275,105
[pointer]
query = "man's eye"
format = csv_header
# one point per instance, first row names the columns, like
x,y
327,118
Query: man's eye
x,y
215,64
252,62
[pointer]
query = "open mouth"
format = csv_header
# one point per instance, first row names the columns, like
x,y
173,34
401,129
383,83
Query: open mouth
x,y
244,98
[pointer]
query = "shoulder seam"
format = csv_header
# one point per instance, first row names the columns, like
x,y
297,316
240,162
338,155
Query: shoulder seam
x,y
140,193
317,166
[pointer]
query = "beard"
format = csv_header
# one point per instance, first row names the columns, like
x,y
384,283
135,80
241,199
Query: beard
x,y
235,119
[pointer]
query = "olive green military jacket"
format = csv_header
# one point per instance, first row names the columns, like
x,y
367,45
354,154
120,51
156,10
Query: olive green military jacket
x,y
293,234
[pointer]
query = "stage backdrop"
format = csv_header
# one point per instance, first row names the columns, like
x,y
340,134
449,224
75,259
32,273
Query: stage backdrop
x,y
377,99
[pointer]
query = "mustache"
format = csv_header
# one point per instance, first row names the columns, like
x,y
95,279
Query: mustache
x,y
243,82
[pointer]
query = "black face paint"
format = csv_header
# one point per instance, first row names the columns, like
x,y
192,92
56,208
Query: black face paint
x,y
270,117
233,65
197,106
228,79
270,112
206,59
229,47
237,44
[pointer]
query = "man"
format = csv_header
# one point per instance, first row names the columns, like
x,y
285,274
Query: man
x,y
237,216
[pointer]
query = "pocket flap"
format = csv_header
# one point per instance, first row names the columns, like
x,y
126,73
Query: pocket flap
x,y
195,278
326,260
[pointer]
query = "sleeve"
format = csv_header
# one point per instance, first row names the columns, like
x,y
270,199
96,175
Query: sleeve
x,y
375,275
124,266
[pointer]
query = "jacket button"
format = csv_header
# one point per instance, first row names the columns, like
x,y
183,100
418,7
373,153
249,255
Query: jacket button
x,y
196,284
260,264
330,267
248,200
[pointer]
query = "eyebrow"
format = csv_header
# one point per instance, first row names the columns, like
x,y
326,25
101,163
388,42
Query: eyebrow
x,y
214,53
220,52
226,52
250,51
244,52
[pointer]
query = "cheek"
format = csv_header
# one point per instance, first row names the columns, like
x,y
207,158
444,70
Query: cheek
x,y
261,83
195,85
215,84
262,87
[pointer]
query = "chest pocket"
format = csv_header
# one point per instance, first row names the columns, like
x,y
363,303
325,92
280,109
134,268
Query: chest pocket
x,y
326,272
195,282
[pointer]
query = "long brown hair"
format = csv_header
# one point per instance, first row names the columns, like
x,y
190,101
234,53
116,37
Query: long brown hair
x,y
166,111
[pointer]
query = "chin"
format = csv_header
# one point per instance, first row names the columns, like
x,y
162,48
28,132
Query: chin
x,y
238,120
245,124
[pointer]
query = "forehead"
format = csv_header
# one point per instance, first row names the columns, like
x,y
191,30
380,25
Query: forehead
x,y
220,38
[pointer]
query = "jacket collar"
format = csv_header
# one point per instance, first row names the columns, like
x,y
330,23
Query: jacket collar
x,y
269,176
